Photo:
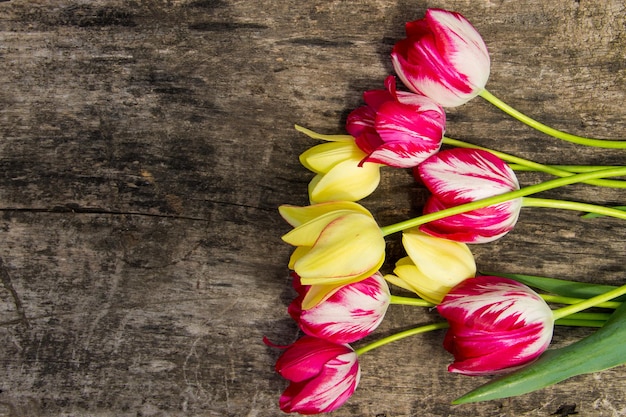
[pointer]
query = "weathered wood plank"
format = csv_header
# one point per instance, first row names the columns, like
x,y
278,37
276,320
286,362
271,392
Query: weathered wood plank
x,y
145,147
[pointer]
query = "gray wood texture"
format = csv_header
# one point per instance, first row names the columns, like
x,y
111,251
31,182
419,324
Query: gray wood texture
x,y
146,145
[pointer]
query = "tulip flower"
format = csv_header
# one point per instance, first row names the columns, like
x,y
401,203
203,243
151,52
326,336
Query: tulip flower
x,y
340,172
433,267
349,314
396,128
457,176
336,243
496,325
442,57
322,375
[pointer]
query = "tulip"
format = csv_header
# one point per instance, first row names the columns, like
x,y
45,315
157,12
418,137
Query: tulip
x,y
322,375
336,243
340,172
433,267
349,314
496,325
442,57
457,176
395,128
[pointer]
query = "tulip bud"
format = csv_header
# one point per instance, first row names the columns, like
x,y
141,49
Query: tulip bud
x,y
352,312
433,267
443,57
398,129
323,375
496,325
458,176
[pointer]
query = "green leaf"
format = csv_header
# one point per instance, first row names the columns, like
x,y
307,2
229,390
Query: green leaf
x,y
560,286
601,350
594,215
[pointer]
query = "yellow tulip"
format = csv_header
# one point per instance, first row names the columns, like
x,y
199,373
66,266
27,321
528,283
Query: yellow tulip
x,y
433,267
336,243
340,174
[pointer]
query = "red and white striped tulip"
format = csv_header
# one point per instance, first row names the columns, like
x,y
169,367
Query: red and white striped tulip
x,y
352,312
442,57
458,176
496,325
322,375
396,128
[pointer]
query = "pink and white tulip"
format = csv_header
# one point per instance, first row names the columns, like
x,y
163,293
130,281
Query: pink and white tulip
x,y
458,176
352,312
322,375
496,325
442,57
397,128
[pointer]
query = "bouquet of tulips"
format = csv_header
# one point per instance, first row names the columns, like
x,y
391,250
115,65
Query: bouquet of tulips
x,y
496,324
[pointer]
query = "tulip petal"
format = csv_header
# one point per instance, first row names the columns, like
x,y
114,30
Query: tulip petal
x,y
347,248
497,353
298,215
319,293
360,120
307,234
477,226
495,301
463,45
376,98
429,289
322,158
298,253
399,282
462,175
346,181
306,357
443,260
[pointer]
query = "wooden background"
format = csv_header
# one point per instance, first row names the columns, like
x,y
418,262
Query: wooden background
x,y
146,145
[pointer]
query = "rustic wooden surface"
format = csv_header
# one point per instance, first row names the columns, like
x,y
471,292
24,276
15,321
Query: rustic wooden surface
x,y
145,147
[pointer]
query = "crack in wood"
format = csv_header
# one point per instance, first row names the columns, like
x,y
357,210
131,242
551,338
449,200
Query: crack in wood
x,y
70,208
8,284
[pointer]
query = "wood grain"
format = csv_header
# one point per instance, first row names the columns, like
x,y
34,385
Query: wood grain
x,y
146,145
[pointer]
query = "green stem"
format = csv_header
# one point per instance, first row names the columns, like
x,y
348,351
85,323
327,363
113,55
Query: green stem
x,y
558,299
401,335
573,205
579,323
588,320
532,189
589,316
580,140
569,168
591,302
535,166
549,298
410,301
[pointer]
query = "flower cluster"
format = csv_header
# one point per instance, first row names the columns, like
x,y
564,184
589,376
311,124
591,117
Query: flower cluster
x,y
495,324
